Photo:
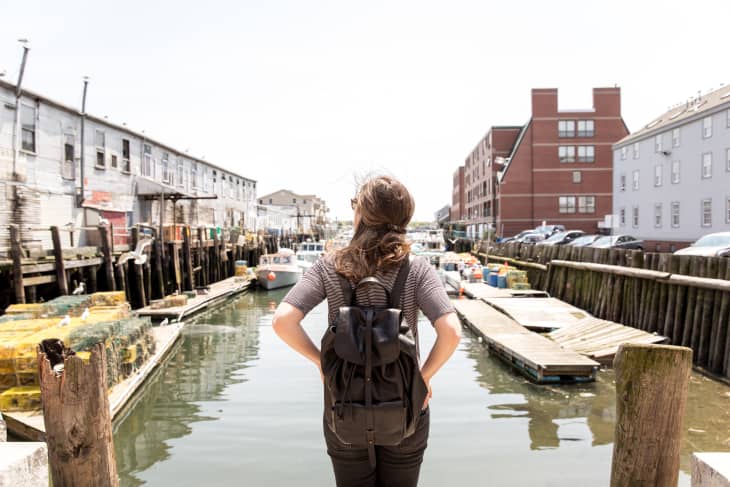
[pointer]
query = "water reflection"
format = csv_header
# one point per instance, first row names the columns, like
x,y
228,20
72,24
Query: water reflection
x,y
214,352
547,406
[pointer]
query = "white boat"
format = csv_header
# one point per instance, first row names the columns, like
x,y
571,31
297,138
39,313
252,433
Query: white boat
x,y
278,270
427,240
308,253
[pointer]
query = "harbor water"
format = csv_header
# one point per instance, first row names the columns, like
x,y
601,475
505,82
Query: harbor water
x,y
233,405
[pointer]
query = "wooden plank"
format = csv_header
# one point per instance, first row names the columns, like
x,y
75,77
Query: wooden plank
x,y
537,357
36,280
38,268
538,313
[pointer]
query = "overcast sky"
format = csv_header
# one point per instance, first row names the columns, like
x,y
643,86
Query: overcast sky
x,y
306,95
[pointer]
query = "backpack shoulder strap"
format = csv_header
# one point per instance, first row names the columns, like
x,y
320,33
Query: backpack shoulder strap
x,y
347,292
400,283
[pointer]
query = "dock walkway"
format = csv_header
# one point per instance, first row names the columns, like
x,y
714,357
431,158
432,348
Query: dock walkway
x,y
217,292
537,357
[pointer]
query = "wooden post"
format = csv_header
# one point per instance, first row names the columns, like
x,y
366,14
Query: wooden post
x,y
159,273
188,260
175,255
202,262
60,267
91,279
136,290
17,254
107,253
78,421
651,398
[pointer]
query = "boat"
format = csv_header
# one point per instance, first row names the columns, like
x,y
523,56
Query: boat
x,y
278,270
308,253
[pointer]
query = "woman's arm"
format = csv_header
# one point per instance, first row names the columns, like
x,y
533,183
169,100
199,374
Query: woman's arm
x,y
448,334
287,325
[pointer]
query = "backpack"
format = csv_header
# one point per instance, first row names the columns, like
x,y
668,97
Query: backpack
x,y
373,385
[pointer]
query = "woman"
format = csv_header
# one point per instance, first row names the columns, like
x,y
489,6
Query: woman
x,y
383,208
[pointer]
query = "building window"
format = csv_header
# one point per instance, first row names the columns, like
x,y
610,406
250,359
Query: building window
x,y
658,143
707,213
707,165
727,118
566,204
585,128
636,150
635,216
166,174
727,159
566,128
147,161
675,172
658,173
114,161
586,204
635,180
622,217
727,209
577,178
193,176
622,182
271,201
707,127
658,215
126,165
180,176
566,153
675,137
27,127
69,149
675,214
100,149
586,153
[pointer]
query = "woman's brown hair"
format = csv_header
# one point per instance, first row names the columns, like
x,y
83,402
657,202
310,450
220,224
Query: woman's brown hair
x,y
385,208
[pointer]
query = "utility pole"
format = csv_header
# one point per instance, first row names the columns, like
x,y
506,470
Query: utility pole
x,y
16,119
80,198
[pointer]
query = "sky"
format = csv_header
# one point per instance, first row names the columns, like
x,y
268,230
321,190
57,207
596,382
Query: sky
x,y
313,95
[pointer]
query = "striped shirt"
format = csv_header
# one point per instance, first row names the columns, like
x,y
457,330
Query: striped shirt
x,y
423,291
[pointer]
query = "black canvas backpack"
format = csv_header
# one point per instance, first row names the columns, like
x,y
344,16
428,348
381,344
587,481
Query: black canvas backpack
x,y
373,386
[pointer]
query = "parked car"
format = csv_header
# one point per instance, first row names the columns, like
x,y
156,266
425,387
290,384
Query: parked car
x,y
562,238
532,238
549,230
516,237
714,244
618,241
584,241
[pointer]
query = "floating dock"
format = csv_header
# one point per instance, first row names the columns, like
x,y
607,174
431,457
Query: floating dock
x,y
29,425
599,339
481,290
217,292
535,356
538,314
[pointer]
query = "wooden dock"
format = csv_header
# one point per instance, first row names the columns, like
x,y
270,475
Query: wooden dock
x,y
29,425
481,290
535,356
599,339
538,314
217,292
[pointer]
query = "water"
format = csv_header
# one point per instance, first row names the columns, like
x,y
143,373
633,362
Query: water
x,y
234,406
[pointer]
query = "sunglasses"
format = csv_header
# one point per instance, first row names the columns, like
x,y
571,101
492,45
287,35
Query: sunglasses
x,y
353,203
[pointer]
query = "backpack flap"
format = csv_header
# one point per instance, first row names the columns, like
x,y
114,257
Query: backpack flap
x,y
349,342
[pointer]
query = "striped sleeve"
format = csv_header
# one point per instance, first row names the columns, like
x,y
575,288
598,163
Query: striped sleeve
x,y
430,293
309,291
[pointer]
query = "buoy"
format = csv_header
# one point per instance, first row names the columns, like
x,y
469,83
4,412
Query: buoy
x,y
271,276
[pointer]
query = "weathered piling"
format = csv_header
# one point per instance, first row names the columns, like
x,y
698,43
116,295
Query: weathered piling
x,y
61,281
16,252
187,260
77,419
106,253
651,398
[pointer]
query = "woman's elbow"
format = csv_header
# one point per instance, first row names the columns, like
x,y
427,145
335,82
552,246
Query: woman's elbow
x,y
448,327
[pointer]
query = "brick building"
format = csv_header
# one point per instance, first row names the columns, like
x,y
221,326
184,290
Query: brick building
x,y
560,168
480,177
457,195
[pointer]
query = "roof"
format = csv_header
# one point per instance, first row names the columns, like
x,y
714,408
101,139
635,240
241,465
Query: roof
x,y
121,128
503,172
681,114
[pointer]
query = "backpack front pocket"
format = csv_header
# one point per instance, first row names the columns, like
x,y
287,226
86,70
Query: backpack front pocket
x,y
350,422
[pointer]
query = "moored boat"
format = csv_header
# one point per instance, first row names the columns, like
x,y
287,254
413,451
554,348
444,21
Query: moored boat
x,y
278,270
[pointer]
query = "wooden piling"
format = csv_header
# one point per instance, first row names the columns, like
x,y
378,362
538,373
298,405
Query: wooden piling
x,y
202,261
16,252
651,398
78,421
106,252
188,260
58,258
159,271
